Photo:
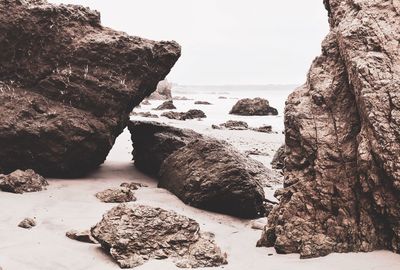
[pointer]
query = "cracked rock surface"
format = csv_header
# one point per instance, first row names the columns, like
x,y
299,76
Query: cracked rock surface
x,y
342,170
68,84
134,234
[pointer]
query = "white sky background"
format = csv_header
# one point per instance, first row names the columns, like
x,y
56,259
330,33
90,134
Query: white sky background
x,y
226,41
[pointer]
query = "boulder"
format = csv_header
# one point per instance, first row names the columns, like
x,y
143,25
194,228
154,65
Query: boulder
x,y
342,169
167,105
201,171
22,181
27,223
278,161
116,195
256,106
135,234
163,91
202,103
68,84
191,114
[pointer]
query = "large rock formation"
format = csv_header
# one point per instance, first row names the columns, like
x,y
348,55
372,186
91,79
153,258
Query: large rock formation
x,y
67,85
342,172
135,234
255,106
201,171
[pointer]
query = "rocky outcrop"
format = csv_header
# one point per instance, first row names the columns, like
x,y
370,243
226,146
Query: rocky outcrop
x,y
163,91
278,161
68,84
27,223
256,106
167,105
116,195
191,114
22,181
203,172
342,170
135,234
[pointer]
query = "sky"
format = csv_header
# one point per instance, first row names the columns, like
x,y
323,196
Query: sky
x,y
226,42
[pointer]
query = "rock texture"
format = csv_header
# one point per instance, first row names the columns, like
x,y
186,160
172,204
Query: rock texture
x,y
167,105
278,161
191,114
22,181
201,171
116,195
256,106
67,85
27,223
342,172
136,234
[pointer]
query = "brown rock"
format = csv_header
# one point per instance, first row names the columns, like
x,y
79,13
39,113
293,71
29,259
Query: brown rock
x,y
68,84
342,170
27,223
191,114
116,195
135,234
163,91
84,236
256,106
22,181
202,103
167,105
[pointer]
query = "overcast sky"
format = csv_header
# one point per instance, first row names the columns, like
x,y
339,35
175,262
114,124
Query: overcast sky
x,y
226,41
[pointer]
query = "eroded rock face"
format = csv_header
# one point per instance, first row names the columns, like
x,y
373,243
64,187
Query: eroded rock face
x,y
22,181
201,171
342,172
67,85
256,106
136,234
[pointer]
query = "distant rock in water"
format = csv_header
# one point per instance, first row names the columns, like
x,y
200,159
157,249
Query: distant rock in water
x,y
264,129
221,97
163,91
27,223
22,181
342,169
202,103
68,84
256,106
278,161
191,114
167,105
116,195
202,171
144,114
135,234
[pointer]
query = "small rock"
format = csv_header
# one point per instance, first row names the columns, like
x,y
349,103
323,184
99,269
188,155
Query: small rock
x,y
22,181
222,97
27,223
133,185
116,195
191,114
144,114
234,125
259,224
167,105
84,236
202,103
265,129
134,234
145,102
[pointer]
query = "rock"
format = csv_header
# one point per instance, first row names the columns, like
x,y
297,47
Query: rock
x,y
235,125
135,234
256,106
84,236
68,84
27,223
116,195
201,171
264,129
342,169
221,97
144,114
133,185
202,103
22,181
191,114
145,102
167,105
181,98
278,161
163,91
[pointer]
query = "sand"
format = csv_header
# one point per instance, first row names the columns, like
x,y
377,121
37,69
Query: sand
x,y
71,204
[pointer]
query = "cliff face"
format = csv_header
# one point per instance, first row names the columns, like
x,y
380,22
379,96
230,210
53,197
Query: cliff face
x,y
342,170
67,85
